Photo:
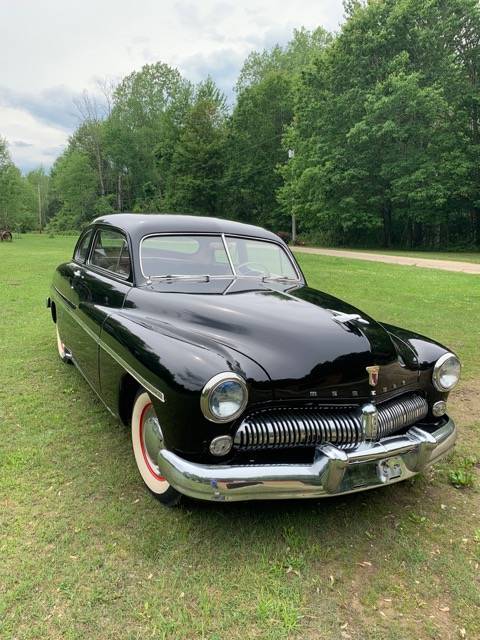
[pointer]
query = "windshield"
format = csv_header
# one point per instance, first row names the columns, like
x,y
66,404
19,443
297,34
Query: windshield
x,y
165,256
259,258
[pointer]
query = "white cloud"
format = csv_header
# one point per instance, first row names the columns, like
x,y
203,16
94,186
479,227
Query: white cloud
x,y
31,142
53,49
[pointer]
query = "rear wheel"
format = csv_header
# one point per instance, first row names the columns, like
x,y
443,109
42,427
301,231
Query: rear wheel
x,y
147,440
63,352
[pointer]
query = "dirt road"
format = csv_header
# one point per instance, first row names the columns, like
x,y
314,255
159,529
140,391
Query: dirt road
x,y
446,265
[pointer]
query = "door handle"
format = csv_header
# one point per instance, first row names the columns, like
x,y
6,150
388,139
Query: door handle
x,y
77,273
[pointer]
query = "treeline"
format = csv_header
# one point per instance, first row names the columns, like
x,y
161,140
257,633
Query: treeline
x,y
370,137
23,199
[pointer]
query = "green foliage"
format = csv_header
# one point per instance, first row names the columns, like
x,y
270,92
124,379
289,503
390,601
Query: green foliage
x,y
383,119
463,475
16,195
197,162
264,108
74,183
386,125
254,149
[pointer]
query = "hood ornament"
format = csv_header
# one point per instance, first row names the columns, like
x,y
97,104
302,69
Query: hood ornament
x,y
345,318
373,375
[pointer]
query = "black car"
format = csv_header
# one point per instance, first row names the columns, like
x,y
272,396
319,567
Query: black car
x,y
239,381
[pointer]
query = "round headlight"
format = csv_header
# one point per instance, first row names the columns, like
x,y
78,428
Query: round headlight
x,y
446,372
224,397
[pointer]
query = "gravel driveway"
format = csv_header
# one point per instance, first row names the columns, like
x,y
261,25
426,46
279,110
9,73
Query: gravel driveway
x,y
446,265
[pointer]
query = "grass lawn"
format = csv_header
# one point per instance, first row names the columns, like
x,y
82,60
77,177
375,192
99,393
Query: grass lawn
x,y
85,552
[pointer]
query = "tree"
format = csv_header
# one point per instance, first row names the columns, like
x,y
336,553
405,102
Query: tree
x,y
264,108
90,135
149,108
38,183
13,193
197,162
382,131
254,149
74,183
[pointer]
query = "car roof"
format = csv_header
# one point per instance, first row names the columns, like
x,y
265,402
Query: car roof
x,y
138,225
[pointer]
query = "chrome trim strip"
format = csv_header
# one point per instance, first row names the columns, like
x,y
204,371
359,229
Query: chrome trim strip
x,y
65,300
137,376
227,251
333,471
106,272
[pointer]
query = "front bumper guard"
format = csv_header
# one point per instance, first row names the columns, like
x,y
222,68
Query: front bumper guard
x,y
333,472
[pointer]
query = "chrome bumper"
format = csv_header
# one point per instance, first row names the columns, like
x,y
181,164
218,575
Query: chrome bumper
x,y
333,471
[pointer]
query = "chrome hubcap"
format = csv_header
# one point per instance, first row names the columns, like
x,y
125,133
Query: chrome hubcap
x,y
152,438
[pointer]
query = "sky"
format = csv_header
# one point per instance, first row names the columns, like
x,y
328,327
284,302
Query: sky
x,y
53,50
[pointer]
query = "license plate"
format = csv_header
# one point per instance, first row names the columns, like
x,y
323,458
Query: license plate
x,y
389,469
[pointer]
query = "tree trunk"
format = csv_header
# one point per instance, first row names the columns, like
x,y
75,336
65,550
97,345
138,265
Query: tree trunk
x,y
417,234
437,229
387,224
119,193
100,170
410,233
475,222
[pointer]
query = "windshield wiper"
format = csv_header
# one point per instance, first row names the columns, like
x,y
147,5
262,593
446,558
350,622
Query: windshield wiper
x,y
277,278
178,276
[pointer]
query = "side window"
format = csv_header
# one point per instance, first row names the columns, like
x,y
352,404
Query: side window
x,y
110,252
81,251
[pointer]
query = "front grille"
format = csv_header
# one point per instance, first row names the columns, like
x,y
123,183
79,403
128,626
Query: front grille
x,y
281,427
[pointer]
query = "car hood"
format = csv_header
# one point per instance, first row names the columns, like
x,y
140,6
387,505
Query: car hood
x,y
298,335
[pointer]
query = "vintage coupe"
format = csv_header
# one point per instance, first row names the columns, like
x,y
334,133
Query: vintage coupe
x,y
238,380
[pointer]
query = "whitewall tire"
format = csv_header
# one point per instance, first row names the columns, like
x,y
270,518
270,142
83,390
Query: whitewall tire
x,y
147,439
63,353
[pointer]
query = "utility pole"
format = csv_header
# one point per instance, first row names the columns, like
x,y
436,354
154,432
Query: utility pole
x,y
39,207
291,155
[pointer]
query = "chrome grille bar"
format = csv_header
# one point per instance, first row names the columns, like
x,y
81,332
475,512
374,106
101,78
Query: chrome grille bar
x,y
284,427
403,412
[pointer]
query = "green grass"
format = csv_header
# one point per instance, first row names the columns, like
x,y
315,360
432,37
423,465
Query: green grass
x,y
440,304
85,552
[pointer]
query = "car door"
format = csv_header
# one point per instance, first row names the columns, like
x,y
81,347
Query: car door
x,y
100,286
66,286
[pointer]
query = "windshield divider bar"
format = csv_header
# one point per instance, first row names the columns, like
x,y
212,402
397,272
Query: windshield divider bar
x,y
229,256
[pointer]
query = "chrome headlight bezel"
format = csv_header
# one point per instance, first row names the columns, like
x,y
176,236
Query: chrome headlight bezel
x,y
437,372
208,392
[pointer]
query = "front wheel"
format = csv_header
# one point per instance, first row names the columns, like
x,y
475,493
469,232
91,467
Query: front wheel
x,y
147,440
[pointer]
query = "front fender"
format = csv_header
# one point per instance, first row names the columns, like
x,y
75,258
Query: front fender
x,y
178,370
423,353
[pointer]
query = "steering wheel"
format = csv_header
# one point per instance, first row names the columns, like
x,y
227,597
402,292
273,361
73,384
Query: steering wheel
x,y
254,266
